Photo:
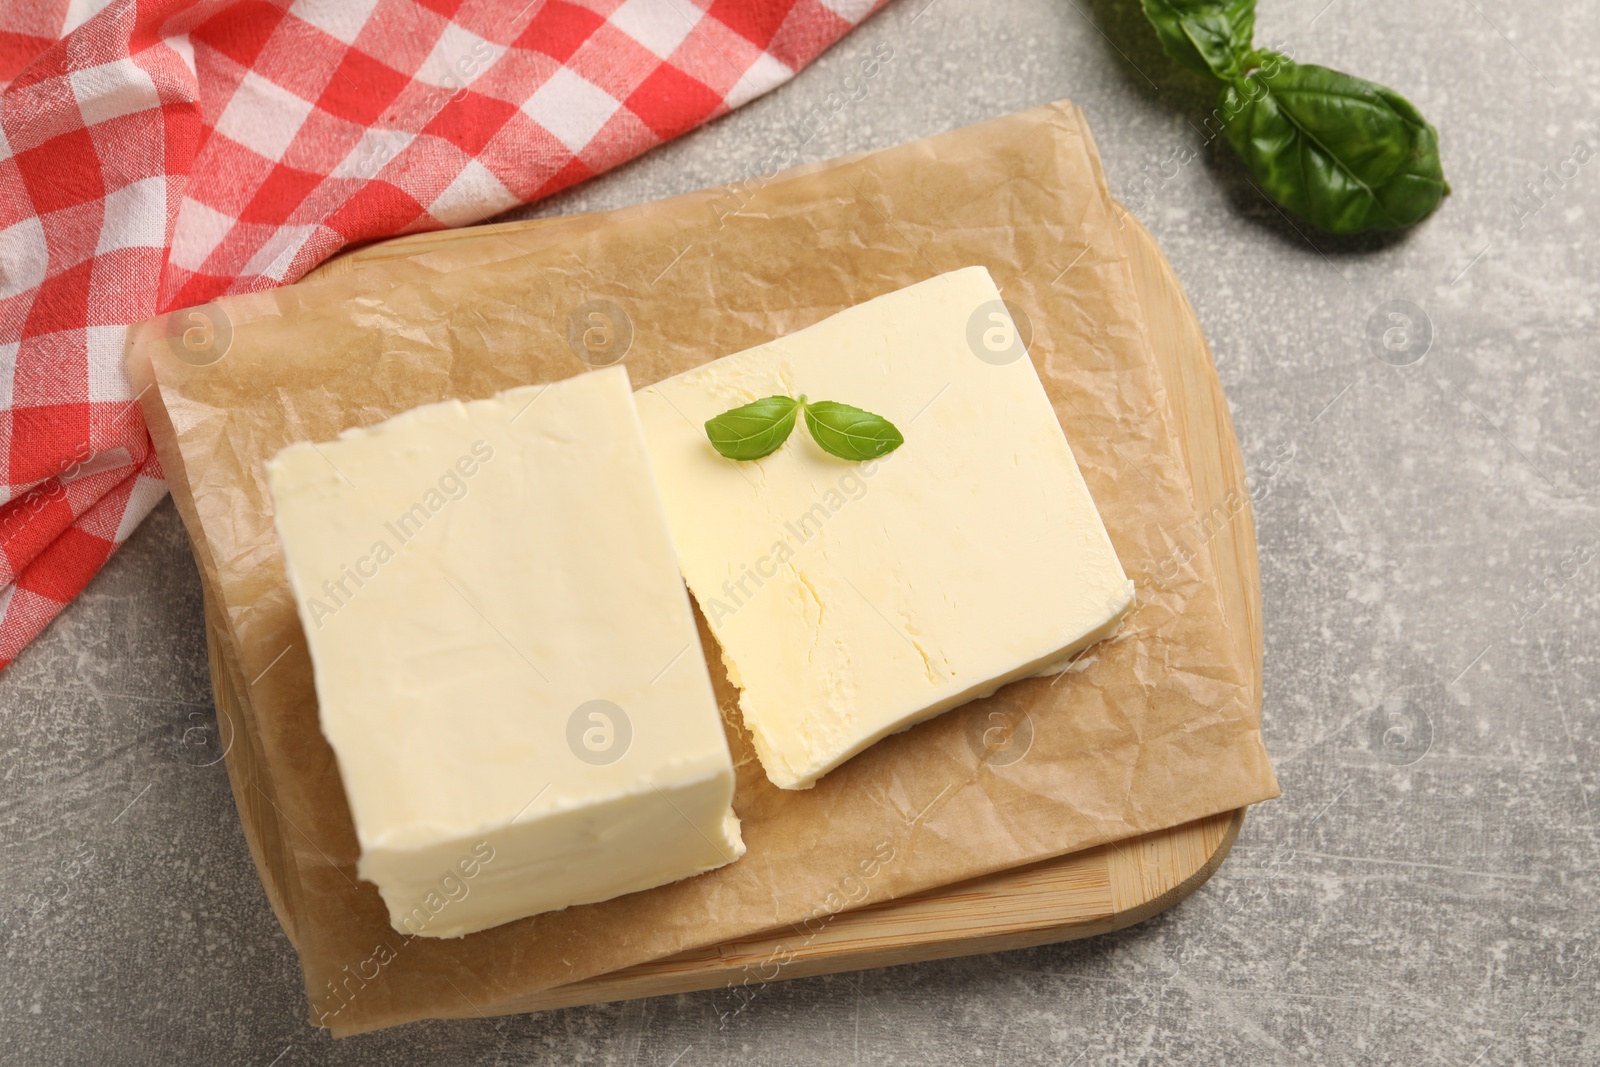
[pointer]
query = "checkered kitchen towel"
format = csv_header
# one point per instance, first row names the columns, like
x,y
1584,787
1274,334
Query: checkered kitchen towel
x,y
157,153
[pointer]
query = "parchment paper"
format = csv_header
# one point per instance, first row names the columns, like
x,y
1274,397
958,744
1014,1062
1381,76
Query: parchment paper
x,y
1154,728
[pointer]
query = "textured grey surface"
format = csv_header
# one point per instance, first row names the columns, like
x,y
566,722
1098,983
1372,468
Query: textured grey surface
x,y
1424,893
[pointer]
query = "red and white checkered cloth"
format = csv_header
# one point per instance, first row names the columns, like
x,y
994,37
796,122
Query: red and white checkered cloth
x,y
157,153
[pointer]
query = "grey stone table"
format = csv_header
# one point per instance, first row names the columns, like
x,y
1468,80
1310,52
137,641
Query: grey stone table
x,y
1424,892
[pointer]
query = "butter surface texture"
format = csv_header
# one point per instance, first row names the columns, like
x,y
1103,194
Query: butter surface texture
x,y
506,660
853,600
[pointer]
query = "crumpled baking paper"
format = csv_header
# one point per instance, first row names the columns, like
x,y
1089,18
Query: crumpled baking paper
x,y
1154,728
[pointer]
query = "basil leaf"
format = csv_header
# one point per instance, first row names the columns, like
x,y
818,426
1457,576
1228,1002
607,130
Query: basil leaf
x,y
851,433
1348,155
757,429
1207,36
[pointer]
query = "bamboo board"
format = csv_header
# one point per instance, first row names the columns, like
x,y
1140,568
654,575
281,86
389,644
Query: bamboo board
x,y
1072,896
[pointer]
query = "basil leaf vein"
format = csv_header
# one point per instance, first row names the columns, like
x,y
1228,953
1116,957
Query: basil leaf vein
x,y
1207,36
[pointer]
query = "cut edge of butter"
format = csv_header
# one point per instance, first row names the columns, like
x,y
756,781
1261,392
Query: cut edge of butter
x,y
1046,666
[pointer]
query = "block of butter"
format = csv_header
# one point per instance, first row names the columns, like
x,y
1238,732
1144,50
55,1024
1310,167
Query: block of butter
x,y
505,656
855,599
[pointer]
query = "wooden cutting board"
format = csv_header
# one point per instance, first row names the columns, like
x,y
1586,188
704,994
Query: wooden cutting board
x,y
1072,896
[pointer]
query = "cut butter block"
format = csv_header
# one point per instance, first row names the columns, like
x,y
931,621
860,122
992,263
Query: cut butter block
x,y
505,657
853,600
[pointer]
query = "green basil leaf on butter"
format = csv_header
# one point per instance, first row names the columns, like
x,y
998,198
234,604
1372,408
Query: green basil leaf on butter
x,y
851,433
1207,36
1346,154
757,429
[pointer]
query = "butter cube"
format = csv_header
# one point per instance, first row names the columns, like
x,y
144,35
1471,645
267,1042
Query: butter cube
x,y
855,599
505,657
